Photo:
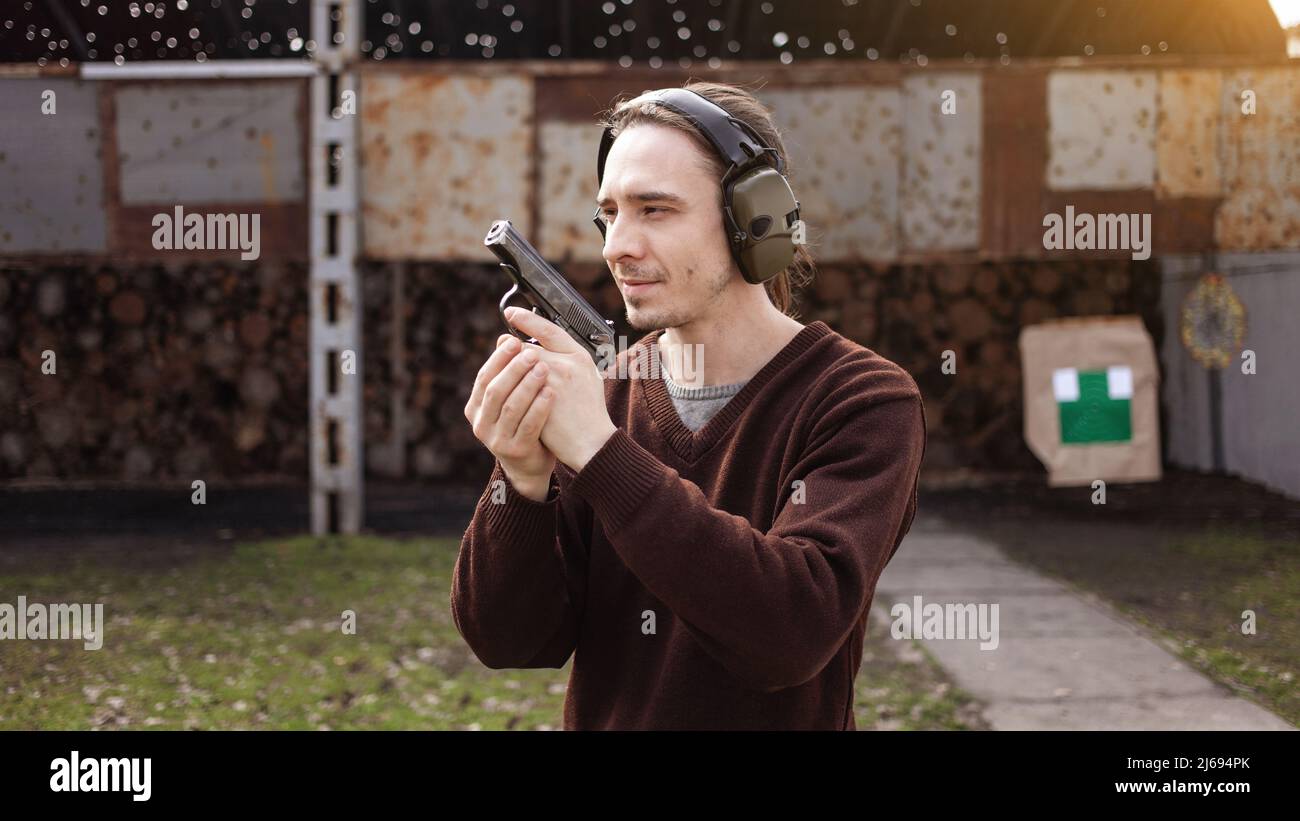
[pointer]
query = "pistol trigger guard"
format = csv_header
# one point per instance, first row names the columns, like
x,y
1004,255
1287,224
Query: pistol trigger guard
x,y
501,309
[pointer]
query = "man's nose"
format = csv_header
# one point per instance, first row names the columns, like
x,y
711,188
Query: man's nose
x,y
623,240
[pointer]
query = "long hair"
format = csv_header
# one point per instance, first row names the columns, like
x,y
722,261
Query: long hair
x,y
740,103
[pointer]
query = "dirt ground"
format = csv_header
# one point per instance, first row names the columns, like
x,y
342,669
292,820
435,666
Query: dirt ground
x,y
148,524
143,519
1182,498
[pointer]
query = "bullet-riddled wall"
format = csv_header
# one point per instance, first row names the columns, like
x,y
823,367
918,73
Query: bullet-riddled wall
x,y
924,191
888,164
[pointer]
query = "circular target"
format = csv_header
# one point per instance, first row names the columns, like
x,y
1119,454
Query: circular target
x,y
1213,322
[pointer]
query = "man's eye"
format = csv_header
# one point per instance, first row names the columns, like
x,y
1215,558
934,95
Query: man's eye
x,y
610,213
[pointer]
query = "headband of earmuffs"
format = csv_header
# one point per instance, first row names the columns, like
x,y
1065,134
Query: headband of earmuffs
x,y
756,196
733,139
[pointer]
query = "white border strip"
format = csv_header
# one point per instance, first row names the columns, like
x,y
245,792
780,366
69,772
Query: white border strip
x,y
188,69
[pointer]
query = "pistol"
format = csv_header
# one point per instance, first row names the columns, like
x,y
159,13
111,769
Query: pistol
x,y
549,293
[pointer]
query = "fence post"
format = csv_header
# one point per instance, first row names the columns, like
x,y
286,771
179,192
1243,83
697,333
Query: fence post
x,y
337,489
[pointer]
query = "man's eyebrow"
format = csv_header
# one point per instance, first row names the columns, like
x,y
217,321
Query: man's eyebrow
x,y
647,196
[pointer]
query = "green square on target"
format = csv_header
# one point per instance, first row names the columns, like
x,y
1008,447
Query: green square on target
x,y
1094,406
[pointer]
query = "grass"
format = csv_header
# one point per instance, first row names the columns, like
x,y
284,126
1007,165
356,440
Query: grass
x,y
252,639
902,687
1191,588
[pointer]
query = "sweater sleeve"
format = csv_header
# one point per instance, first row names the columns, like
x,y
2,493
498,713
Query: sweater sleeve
x,y
773,608
519,583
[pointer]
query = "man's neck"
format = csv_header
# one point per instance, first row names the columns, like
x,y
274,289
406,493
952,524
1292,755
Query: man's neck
x,y
716,351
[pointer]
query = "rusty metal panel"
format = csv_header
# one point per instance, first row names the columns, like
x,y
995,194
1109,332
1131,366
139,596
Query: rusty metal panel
x,y
1015,162
1101,129
443,156
1184,224
212,141
568,192
1261,161
844,144
583,99
1187,132
51,176
940,201
131,229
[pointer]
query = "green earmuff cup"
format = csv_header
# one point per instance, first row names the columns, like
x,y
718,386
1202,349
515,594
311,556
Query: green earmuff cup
x,y
764,211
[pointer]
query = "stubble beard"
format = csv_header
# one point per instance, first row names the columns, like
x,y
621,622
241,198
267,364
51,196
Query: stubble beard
x,y
652,319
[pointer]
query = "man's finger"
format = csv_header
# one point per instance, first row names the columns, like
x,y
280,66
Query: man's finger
x,y
530,426
524,396
505,383
546,332
498,360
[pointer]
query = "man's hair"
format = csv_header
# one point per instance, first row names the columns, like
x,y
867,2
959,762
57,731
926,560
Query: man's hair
x,y
744,106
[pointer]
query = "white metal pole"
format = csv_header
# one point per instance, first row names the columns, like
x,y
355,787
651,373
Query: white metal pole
x,y
337,489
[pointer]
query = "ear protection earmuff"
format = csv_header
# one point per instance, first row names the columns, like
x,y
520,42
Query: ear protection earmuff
x,y
759,210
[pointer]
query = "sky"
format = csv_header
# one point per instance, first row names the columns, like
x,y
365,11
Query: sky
x,y
1287,11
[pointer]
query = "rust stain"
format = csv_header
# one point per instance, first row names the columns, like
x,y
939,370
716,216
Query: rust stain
x,y
421,145
376,110
1187,128
443,155
1260,161
266,165
430,82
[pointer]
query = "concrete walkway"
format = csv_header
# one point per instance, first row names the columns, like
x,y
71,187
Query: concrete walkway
x,y
1065,660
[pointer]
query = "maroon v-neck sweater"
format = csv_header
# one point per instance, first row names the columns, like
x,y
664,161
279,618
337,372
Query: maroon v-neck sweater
x,y
719,579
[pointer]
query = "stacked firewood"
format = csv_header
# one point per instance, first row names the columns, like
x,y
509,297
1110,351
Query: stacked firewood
x,y
201,370
161,373
914,313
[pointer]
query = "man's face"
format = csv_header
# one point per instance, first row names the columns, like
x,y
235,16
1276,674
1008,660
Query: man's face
x,y
663,223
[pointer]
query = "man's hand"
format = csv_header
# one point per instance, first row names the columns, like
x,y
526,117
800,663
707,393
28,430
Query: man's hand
x,y
507,409
578,423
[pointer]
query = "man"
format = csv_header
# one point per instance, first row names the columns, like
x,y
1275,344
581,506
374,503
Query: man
x,y
706,546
